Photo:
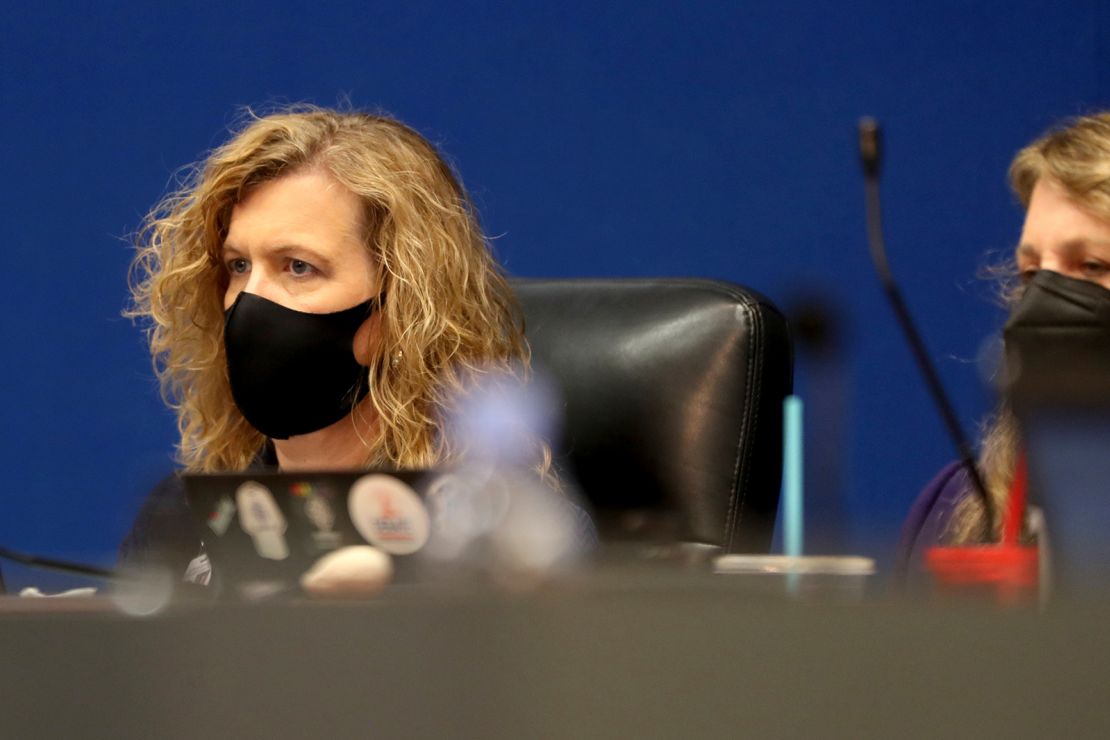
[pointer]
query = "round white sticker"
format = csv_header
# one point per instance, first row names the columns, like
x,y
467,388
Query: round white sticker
x,y
388,514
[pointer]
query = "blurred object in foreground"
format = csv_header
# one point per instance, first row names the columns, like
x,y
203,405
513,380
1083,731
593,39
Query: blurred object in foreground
x,y
1008,573
1069,467
32,592
1058,384
502,419
804,577
143,592
818,328
353,572
496,513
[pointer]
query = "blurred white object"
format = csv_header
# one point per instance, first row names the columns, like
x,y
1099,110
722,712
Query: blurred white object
x,y
495,514
467,504
357,571
507,523
144,591
538,531
821,577
834,565
33,593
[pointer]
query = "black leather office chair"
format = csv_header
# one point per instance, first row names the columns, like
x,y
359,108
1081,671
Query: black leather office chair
x,y
673,393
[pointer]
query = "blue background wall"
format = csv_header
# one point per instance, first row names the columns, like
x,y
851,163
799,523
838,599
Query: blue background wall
x,y
642,138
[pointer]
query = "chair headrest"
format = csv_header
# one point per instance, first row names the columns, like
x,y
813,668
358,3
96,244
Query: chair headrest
x,y
673,393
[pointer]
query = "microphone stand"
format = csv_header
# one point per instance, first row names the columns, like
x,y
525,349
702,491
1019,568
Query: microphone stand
x,y
870,154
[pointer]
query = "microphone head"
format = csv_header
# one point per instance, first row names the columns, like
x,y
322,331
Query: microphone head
x,y
870,145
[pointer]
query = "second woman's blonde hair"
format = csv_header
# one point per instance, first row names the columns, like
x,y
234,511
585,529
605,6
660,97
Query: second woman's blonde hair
x,y
448,314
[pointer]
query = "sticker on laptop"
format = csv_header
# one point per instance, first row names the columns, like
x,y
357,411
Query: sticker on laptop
x,y
261,518
317,508
220,517
388,514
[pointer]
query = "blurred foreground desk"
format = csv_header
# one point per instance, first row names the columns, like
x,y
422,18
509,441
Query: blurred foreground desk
x,y
643,656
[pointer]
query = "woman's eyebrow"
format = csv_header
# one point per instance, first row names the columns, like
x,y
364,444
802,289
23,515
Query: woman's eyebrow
x,y
1082,243
1102,244
282,250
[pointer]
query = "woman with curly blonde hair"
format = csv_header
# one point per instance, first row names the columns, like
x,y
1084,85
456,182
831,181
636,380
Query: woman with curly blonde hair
x,y
358,293
1063,181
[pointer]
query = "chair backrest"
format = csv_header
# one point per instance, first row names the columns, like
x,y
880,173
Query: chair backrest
x,y
673,392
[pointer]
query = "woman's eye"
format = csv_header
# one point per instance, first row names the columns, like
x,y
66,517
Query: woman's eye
x,y
301,268
238,266
1093,268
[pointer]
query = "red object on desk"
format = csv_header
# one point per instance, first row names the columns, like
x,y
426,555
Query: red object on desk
x,y
1007,571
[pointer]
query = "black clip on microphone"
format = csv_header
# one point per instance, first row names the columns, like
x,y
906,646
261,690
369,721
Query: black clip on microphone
x,y
870,150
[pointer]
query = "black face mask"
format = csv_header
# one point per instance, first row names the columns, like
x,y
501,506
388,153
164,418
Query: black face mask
x,y
293,372
1058,342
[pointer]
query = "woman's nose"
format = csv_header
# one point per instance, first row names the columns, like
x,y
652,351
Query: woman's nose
x,y
257,282
1054,263
260,283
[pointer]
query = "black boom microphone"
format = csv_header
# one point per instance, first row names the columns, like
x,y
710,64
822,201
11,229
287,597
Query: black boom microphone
x,y
870,150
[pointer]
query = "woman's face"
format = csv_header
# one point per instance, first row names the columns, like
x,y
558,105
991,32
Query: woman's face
x,y
298,241
1061,236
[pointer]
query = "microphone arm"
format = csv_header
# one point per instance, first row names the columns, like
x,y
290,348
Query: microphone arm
x,y
870,149
64,566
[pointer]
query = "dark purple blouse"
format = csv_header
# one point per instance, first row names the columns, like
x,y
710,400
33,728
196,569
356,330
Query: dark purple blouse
x,y
931,514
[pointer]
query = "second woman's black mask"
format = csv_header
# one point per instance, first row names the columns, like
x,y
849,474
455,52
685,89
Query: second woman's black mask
x,y
293,372
1058,342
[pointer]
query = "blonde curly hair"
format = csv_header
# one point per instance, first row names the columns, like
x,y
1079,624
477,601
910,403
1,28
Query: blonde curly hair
x,y
449,313
1076,155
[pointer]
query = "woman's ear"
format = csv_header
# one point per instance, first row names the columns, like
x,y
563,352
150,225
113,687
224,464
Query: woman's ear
x,y
368,338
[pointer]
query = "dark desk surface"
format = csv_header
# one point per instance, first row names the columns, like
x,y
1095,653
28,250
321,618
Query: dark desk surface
x,y
635,655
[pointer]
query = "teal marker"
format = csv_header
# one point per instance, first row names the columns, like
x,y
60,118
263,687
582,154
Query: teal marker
x,y
792,475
